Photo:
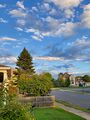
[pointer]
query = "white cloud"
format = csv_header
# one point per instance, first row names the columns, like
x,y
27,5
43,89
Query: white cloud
x,y
20,5
46,6
66,29
31,30
52,21
86,16
55,28
53,11
17,13
19,29
36,37
66,4
41,27
49,58
2,5
37,34
21,22
79,50
7,39
8,60
3,21
82,43
34,9
60,29
69,13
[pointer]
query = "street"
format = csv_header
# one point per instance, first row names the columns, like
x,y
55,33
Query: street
x,y
73,97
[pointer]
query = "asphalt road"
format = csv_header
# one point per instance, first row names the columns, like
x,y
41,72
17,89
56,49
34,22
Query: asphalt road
x,y
73,97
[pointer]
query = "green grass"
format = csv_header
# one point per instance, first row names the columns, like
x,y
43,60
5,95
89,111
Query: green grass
x,y
73,106
54,114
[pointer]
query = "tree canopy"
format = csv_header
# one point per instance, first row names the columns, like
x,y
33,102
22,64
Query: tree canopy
x,y
35,85
86,78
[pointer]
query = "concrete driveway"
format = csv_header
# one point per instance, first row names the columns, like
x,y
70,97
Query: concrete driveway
x,y
73,97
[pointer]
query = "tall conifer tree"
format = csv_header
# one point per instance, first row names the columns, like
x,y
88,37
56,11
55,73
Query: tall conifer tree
x,y
24,62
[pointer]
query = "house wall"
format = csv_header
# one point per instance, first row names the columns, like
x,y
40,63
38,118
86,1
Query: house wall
x,y
87,83
72,80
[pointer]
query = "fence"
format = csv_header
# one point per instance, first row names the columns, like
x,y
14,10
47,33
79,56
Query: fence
x,y
42,101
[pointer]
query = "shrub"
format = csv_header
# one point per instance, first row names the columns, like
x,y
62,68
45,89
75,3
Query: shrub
x,y
36,85
1,98
14,111
10,109
67,83
64,83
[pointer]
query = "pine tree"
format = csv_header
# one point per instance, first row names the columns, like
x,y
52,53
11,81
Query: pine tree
x,y
24,62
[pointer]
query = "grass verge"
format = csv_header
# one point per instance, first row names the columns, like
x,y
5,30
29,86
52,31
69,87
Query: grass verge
x,y
54,114
73,106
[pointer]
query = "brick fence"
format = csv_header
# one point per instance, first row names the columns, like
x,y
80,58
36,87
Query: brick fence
x,y
42,101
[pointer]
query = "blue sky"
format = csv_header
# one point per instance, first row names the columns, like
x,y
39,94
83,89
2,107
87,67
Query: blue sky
x,y
55,32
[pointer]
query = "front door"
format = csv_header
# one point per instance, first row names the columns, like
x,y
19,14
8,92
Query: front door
x,y
1,77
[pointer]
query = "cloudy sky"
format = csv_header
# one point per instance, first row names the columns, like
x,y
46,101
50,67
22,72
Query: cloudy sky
x,y
55,32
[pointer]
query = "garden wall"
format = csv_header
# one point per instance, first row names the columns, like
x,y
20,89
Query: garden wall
x,y
42,101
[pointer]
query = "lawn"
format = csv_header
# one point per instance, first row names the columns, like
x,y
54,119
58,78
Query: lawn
x,y
54,114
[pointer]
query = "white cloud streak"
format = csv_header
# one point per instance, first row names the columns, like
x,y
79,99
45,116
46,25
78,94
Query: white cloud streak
x,y
20,5
17,13
36,38
7,39
19,29
2,5
3,20
9,60
49,58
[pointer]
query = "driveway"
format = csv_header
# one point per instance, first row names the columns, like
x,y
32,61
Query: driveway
x,y
73,97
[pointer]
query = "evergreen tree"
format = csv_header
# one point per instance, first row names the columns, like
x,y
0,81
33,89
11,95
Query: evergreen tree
x,y
24,62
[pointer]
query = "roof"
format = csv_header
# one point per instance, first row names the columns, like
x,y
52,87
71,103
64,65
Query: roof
x,y
3,65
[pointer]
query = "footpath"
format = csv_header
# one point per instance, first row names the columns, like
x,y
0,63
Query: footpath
x,y
75,111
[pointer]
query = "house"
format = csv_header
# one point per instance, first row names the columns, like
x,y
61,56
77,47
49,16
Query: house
x,y
5,73
73,81
72,78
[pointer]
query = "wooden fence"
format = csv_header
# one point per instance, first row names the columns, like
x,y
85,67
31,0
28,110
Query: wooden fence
x,y
42,101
